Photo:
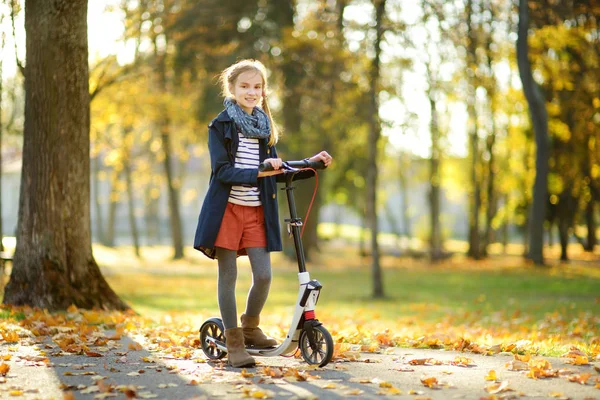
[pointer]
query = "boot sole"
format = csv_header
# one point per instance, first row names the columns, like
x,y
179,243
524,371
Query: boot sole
x,y
246,365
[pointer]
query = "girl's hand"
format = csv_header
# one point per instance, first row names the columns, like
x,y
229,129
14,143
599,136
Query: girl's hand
x,y
322,156
276,163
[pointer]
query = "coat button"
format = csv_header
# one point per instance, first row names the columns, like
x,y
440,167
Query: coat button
x,y
274,195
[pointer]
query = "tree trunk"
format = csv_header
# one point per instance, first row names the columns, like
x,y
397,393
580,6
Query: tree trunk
x,y
405,205
539,118
130,199
374,135
113,203
99,223
293,76
172,186
53,266
590,220
475,194
492,203
2,45
590,208
151,216
362,245
435,239
505,223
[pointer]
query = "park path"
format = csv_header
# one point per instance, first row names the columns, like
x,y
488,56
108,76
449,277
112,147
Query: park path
x,y
124,369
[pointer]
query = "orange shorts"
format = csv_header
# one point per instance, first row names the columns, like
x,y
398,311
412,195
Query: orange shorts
x,y
242,227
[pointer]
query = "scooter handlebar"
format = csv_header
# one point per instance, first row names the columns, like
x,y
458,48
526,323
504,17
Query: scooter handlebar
x,y
290,165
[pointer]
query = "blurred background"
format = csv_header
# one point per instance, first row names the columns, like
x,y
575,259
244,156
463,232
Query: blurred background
x,y
423,99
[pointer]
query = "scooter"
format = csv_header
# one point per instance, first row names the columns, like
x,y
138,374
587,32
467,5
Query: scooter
x,y
305,332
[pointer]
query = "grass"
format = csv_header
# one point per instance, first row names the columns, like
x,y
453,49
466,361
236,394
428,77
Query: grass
x,y
502,298
408,291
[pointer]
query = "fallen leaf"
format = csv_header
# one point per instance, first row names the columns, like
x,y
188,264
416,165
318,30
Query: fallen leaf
x,y
517,365
579,360
134,346
495,388
491,376
4,368
430,382
581,378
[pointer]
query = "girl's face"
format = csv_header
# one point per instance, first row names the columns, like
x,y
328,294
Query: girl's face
x,y
248,90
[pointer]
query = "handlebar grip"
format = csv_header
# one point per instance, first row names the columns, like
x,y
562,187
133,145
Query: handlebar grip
x,y
265,167
293,164
306,164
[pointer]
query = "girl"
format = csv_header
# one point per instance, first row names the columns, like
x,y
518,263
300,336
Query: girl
x,y
239,215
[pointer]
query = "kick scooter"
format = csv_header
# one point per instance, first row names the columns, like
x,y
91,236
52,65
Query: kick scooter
x,y
306,332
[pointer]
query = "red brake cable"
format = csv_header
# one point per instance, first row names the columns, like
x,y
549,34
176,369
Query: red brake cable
x,y
312,200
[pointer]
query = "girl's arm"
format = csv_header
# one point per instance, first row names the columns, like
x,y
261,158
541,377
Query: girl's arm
x,y
220,163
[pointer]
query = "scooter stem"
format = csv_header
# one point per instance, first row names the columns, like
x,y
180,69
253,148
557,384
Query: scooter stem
x,y
294,222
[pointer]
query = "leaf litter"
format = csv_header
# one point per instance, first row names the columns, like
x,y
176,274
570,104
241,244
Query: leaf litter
x,y
96,334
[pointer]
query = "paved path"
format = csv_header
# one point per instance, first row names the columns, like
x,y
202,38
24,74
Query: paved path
x,y
127,370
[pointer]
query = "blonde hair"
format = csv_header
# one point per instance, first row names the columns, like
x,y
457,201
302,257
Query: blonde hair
x,y
230,75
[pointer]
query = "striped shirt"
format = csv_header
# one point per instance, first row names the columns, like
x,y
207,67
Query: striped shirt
x,y
246,157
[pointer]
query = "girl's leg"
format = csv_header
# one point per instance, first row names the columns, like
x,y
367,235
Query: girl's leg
x,y
260,261
226,286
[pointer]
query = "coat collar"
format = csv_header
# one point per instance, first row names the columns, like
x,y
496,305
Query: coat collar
x,y
224,117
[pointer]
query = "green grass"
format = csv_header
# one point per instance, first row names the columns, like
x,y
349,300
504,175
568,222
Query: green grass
x,y
502,300
429,294
10,315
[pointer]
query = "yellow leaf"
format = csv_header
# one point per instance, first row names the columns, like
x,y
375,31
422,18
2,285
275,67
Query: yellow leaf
x,y
491,376
16,393
4,368
394,390
330,386
579,360
259,394
581,378
430,382
246,374
10,336
134,346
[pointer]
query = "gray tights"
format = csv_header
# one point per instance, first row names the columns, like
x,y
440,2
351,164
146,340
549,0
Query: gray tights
x,y
260,261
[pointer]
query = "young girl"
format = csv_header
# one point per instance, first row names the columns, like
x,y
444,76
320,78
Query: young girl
x,y
239,215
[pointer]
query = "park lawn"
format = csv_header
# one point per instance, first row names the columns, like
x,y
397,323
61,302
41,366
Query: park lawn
x,y
452,305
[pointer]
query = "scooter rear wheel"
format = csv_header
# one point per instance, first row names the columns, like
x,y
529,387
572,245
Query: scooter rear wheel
x,y
321,353
212,328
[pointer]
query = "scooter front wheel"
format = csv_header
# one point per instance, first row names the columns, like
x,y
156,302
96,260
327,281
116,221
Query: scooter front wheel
x,y
320,351
212,329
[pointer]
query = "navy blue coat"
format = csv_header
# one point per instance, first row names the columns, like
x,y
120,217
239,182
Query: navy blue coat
x,y
223,143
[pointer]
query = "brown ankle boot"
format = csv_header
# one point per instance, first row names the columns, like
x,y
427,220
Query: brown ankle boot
x,y
236,351
253,335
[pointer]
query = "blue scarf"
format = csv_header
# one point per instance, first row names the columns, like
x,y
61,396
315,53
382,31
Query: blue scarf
x,y
255,126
